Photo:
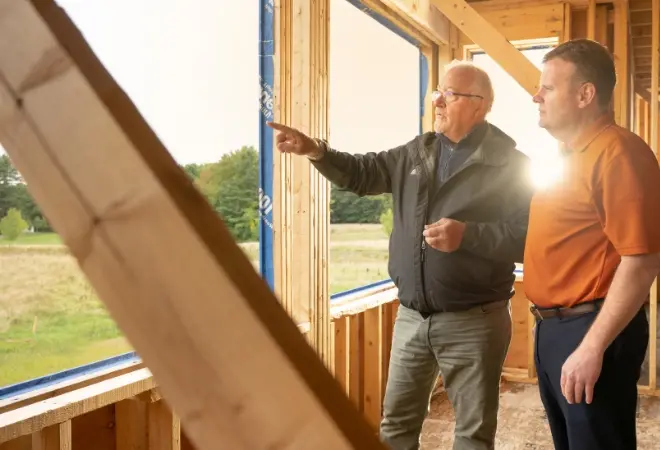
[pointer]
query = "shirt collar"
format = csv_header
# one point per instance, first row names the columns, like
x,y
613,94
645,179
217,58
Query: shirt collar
x,y
590,133
474,135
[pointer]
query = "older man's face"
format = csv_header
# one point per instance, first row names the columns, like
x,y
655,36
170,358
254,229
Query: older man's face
x,y
462,106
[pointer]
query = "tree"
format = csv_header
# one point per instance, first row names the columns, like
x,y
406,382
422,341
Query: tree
x,y
193,170
346,207
9,179
231,186
14,194
12,225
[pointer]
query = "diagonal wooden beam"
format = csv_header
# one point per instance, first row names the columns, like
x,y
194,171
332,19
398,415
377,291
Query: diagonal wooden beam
x,y
427,19
227,356
484,34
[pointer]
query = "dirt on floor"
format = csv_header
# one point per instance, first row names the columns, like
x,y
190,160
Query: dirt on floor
x,y
522,423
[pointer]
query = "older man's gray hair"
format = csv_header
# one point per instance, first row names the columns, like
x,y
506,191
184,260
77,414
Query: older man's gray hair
x,y
481,81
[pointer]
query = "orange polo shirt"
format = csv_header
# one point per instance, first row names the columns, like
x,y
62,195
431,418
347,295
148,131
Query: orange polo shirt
x,y
606,205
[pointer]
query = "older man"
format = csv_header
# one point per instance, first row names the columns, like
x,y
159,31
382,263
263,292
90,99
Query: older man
x,y
592,254
461,201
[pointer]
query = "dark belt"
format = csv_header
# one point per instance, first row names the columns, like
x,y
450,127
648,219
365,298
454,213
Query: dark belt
x,y
582,308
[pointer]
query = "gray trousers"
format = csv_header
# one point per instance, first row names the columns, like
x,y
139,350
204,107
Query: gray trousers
x,y
468,349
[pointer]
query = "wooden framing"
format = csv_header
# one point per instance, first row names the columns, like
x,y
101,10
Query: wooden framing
x,y
301,197
621,59
486,36
56,100
525,21
198,295
422,16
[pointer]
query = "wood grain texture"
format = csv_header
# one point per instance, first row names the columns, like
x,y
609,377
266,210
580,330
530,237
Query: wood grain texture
x,y
193,307
487,37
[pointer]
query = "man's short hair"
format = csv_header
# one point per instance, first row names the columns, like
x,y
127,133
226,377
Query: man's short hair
x,y
482,82
593,63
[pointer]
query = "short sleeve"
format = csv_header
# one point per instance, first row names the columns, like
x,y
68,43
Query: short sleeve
x,y
628,199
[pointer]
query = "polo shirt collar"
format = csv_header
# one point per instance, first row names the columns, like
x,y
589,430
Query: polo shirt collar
x,y
587,136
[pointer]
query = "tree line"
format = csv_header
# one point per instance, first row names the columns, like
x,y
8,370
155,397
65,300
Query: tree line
x,y
230,185
18,210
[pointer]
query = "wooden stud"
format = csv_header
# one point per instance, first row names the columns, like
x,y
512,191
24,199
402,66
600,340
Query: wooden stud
x,y
190,305
602,26
131,424
621,60
320,188
302,198
373,365
567,23
483,34
282,216
342,351
387,325
54,437
432,58
591,20
356,363
164,427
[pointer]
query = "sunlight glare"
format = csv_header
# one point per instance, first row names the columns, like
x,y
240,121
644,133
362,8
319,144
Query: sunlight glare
x,y
546,170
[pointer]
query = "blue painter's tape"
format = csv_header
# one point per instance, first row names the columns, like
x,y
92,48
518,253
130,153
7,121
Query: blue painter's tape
x,y
340,295
266,81
37,383
384,21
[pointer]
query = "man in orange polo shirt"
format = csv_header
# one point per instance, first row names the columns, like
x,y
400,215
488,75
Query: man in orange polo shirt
x,y
591,255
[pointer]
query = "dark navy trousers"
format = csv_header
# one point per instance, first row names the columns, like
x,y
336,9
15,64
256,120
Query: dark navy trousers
x,y
609,422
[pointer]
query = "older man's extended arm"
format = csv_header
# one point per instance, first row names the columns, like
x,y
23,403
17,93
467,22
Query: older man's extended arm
x,y
362,174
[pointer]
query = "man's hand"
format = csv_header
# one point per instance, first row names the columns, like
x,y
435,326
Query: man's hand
x,y
290,140
445,234
580,373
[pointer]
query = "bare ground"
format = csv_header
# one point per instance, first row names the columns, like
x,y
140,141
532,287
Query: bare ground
x,y
522,421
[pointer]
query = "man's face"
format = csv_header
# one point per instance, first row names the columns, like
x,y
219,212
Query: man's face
x,y
558,97
455,113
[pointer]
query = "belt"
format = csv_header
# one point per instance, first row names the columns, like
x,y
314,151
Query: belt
x,y
485,307
582,308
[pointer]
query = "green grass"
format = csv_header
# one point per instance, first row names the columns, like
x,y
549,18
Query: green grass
x,y
34,239
357,232
51,318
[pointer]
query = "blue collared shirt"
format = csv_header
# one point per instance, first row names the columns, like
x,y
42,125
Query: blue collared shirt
x,y
452,155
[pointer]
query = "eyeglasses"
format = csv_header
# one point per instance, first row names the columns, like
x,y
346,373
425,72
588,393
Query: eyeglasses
x,y
451,96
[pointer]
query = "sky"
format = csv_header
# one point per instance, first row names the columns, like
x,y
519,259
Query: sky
x,y
191,67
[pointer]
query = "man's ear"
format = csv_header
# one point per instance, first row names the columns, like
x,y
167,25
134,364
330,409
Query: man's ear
x,y
586,95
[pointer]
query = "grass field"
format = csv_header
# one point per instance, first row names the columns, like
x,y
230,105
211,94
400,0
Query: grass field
x,y
51,319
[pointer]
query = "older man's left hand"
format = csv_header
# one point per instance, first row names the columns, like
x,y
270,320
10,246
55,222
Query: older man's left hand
x,y
445,234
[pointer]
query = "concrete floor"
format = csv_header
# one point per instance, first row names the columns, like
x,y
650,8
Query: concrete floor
x,y
522,424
